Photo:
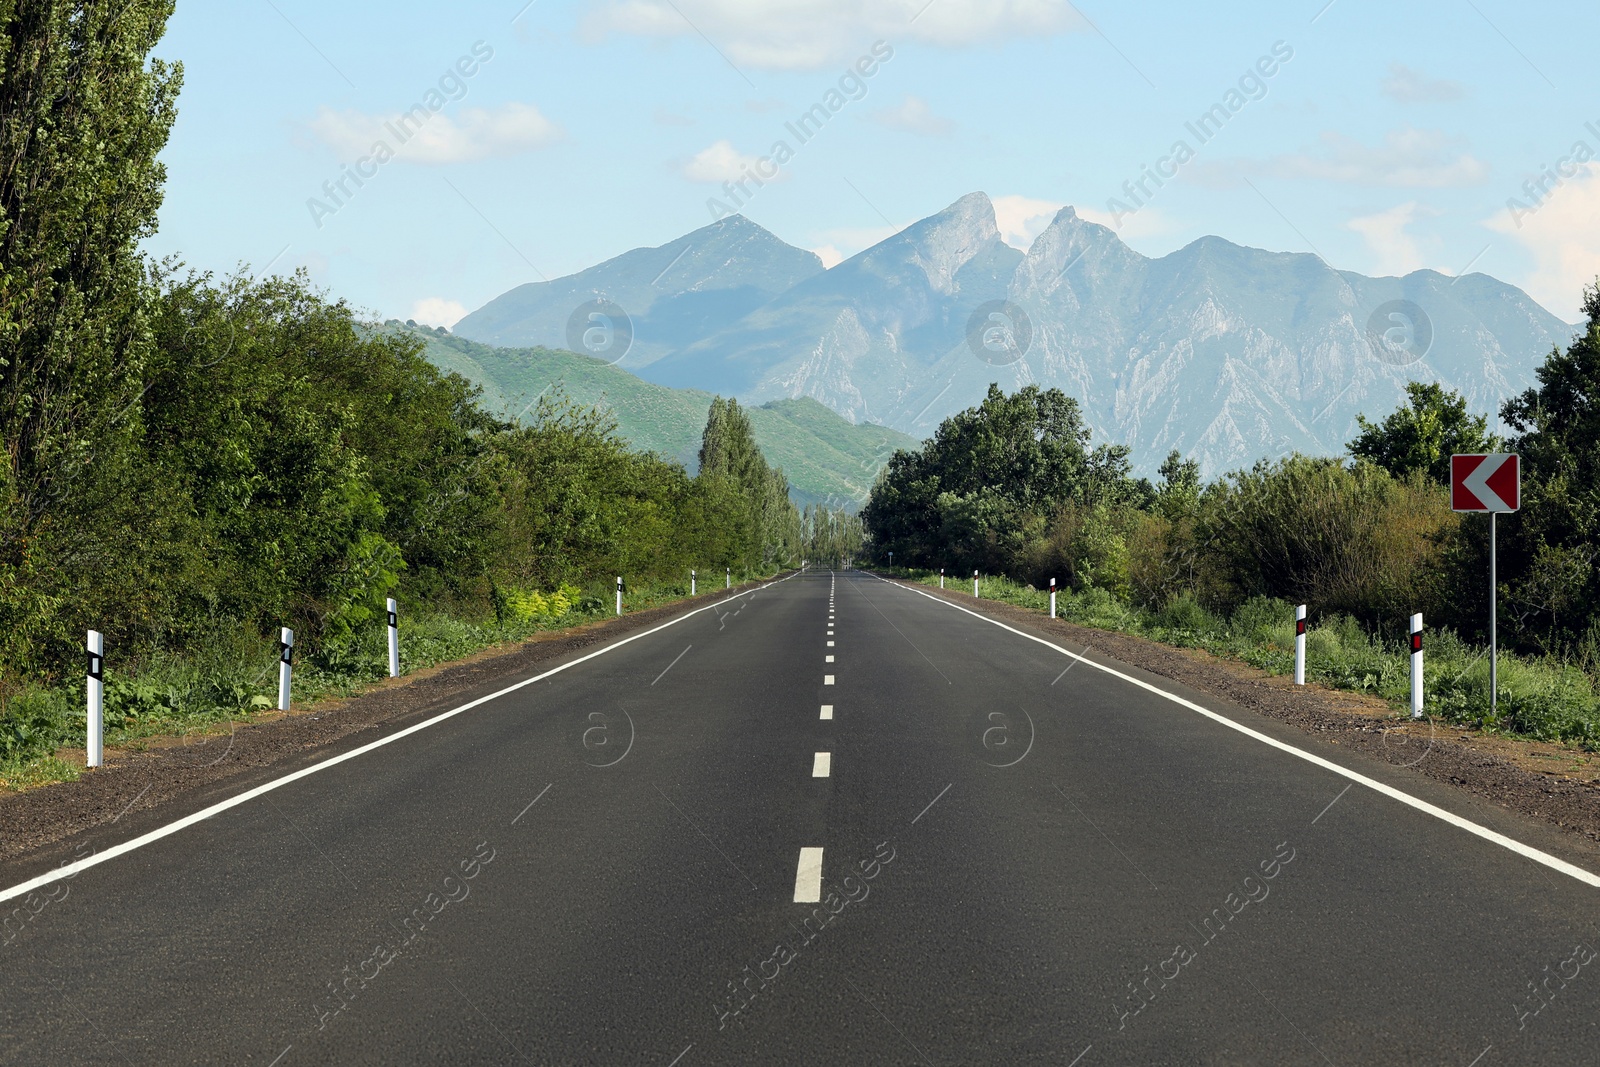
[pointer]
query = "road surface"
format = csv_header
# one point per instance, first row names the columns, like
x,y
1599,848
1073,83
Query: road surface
x,y
832,821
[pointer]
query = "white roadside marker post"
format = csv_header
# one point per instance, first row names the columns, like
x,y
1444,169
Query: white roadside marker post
x,y
1416,666
394,639
1052,598
691,581
96,693
285,666
941,577
1300,645
728,578
619,594
974,583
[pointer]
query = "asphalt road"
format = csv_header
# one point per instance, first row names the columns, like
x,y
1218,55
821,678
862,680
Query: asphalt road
x,y
1018,865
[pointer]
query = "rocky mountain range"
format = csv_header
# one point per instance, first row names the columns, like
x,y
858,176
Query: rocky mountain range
x,y
1227,354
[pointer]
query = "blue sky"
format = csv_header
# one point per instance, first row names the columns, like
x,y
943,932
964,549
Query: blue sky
x,y
1391,139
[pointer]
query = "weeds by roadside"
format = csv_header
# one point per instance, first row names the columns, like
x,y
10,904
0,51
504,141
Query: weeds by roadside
x,y
1546,700
234,680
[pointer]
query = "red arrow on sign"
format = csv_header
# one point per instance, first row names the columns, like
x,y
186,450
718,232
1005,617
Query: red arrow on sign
x,y
1486,482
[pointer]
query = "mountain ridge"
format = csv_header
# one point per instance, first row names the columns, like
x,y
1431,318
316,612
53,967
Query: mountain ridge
x,y
1224,352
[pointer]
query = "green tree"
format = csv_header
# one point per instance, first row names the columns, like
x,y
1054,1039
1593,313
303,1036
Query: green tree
x,y
1422,436
1549,549
83,116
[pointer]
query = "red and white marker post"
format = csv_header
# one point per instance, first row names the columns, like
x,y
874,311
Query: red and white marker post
x,y
1416,666
1488,482
1300,645
1052,598
941,577
974,583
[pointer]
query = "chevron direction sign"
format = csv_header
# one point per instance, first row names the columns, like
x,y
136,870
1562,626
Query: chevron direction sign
x,y
1490,483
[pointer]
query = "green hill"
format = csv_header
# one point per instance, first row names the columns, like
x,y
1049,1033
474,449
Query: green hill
x,y
826,458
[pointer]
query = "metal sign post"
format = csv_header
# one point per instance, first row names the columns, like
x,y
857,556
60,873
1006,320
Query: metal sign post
x,y
1488,482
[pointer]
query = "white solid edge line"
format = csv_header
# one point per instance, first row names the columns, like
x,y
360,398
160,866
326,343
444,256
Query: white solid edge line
x,y
157,834
1526,851
808,877
821,764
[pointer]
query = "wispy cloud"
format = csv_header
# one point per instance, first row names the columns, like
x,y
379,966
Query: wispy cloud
x,y
721,162
1022,218
915,116
810,34
476,133
1408,158
1407,86
1563,237
1385,233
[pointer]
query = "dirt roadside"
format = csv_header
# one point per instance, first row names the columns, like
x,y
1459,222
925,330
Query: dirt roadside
x,y
1550,782
173,769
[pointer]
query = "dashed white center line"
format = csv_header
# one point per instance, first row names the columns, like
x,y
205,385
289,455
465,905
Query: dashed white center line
x,y
830,644
827,659
827,679
827,711
808,878
821,764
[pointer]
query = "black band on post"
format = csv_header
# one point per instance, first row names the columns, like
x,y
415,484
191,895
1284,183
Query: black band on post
x,y
394,620
286,653
1299,626
97,666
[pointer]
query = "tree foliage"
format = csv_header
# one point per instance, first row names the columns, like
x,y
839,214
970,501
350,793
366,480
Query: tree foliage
x,y
1422,436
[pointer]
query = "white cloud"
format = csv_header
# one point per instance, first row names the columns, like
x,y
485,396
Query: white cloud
x,y
1408,158
472,134
845,242
1385,234
914,115
437,311
1407,86
811,34
1563,236
1145,222
1022,218
721,162
830,256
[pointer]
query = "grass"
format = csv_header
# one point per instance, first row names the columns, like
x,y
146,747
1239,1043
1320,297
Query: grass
x,y
234,679
1541,699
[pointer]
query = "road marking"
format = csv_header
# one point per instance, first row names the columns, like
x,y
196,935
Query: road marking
x,y
71,869
830,644
827,711
821,764
827,679
1492,836
808,878
827,659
